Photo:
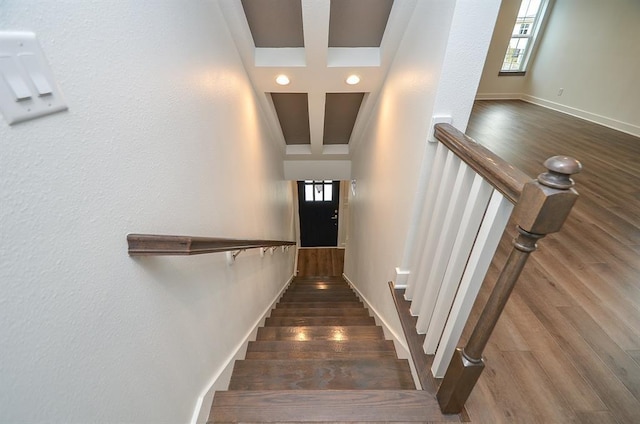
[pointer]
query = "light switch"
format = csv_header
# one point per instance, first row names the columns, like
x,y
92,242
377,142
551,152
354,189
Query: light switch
x,y
11,75
33,68
27,87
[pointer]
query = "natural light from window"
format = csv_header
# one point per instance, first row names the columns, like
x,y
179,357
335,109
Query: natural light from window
x,y
318,191
524,35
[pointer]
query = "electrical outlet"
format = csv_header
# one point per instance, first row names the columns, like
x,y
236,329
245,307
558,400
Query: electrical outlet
x,y
560,91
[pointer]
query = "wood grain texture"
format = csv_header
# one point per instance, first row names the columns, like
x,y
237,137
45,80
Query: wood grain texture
x,y
572,325
156,244
318,321
326,406
324,261
331,374
414,340
306,354
507,179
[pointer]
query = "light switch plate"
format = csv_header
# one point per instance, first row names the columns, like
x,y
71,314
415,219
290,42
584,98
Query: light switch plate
x,y
27,87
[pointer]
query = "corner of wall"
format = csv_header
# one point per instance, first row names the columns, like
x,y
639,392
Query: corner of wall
x,y
221,377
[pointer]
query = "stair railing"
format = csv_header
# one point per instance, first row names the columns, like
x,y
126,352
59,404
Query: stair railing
x,y
162,245
470,198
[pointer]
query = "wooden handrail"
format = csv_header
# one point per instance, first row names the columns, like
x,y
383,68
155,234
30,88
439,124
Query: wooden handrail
x,y
506,178
542,208
154,244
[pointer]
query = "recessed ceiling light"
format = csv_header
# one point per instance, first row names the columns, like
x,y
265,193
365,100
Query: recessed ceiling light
x,y
353,79
282,79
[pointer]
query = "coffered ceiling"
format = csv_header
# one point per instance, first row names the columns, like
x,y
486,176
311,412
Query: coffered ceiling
x,y
317,44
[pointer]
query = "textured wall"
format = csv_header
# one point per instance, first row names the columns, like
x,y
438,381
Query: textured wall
x,y
162,136
436,70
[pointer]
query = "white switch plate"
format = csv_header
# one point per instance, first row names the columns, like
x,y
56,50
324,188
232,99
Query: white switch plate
x,y
27,87
442,119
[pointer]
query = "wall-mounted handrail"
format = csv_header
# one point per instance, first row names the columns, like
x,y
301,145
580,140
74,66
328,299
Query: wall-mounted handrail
x,y
155,244
503,176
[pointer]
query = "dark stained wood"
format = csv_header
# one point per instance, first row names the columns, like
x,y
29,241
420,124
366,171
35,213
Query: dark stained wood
x,y
506,178
336,332
318,352
353,346
332,374
415,341
318,312
575,310
318,321
155,244
339,305
325,261
327,406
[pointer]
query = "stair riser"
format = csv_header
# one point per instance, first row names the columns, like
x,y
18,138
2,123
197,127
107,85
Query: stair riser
x,y
322,346
362,374
340,305
334,333
318,312
335,406
317,321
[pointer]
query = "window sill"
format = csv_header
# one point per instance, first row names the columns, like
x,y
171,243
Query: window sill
x,y
511,74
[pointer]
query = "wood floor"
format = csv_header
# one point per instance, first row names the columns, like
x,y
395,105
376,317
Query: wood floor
x,y
320,357
567,348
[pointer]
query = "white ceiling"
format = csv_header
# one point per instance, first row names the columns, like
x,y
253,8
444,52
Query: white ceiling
x,y
317,69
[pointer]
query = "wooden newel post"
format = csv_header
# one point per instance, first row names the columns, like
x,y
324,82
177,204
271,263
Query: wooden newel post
x,y
542,208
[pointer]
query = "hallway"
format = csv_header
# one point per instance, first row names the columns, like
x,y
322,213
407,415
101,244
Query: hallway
x,y
567,348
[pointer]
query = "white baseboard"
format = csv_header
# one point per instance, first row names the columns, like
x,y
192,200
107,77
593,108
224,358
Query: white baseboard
x,y
583,114
578,113
498,96
220,378
402,276
399,341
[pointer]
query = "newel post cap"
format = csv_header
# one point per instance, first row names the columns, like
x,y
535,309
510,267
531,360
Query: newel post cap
x,y
559,171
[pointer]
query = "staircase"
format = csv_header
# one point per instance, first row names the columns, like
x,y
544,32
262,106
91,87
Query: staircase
x,y
321,358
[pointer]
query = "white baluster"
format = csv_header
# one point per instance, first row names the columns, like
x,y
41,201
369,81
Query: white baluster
x,y
449,172
493,224
427,211
475,208
453,215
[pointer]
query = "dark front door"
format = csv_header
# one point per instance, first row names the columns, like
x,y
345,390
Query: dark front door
x,y
318,206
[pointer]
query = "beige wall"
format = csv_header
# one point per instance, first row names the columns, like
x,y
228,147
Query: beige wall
x,y
491,84
163,135
590,49
435,72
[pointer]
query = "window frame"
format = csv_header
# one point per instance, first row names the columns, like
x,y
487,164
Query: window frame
x,y
325,194
531,34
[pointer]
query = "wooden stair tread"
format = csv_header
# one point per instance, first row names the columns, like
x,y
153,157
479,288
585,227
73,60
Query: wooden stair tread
x,y
322,346
335,332
319,297
327,406
347,304
321,354
316,374
319,321
285,312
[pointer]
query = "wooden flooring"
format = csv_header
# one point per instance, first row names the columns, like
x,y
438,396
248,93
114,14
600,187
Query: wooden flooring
x,y
326,261
567,348
320,357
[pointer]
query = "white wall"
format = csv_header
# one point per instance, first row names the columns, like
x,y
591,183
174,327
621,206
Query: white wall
x,y
162,136
491,85
436,69
590,49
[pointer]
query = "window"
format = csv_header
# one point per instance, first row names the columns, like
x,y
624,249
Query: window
x,y
318,191
523,36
